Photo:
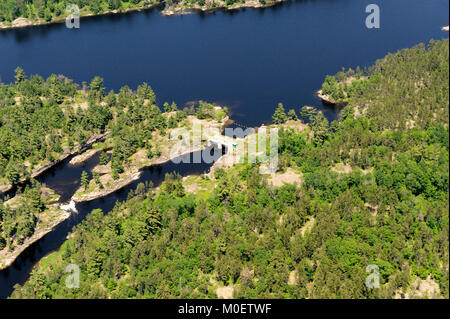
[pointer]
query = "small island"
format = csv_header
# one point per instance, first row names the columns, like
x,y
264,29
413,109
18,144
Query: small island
x,y
338,89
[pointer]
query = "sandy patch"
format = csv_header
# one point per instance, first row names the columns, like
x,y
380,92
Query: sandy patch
x,y
82,105
222,292
21,22
360,111
342,168
373,209
225,292
297,126
83,157
102,169
420,288
288,177
308,226
292,277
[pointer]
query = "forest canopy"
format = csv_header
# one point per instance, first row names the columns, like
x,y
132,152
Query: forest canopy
x,y
312,239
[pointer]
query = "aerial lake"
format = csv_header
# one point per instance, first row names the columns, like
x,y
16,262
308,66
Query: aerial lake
x,y
248,60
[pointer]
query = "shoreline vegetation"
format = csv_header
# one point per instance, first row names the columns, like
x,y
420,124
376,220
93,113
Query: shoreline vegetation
x,y
75,119
184,7
171,8
55,214
338,89
105,184
45,218
44,122
22,22
79,149
369,188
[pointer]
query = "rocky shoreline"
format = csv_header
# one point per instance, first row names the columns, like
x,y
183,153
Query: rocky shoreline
x,y
326,99
177,10
77,150
58,214
47,221
133,172
131,176
8,257
23,22
79,159
182,10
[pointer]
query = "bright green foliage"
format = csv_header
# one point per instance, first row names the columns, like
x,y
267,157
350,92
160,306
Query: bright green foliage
x,y
292,115
84,180
41,119
103,160
17,221
390,209
279,116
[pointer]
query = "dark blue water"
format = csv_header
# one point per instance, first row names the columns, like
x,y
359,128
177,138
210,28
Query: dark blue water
x,y
249,59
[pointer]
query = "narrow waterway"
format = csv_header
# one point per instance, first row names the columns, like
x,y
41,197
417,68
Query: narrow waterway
x,y
248,60
65,180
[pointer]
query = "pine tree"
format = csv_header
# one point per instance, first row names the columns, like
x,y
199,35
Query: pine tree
x,y
292,115
97,180
11,172
20,75
279,116
84,180
103,158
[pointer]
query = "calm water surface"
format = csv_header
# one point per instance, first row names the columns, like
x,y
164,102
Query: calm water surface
x,y
249,60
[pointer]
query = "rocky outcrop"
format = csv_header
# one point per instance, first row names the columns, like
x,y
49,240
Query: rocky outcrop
x,y
329,100
41,169
180,8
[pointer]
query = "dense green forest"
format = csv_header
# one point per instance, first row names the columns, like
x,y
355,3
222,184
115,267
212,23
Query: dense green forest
x,y
313,239
40,120
18,220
